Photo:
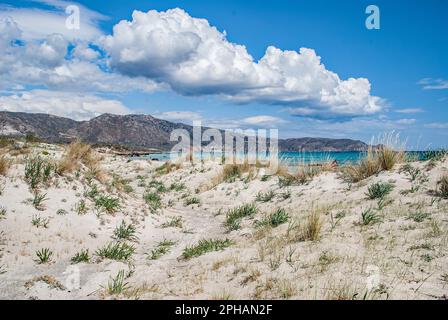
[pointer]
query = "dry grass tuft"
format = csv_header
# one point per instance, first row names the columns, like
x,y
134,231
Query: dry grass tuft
x,y
312,228
442,187
77,154
389,152
5,164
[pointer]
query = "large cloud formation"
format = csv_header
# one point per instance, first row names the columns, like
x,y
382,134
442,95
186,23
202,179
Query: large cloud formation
x,y
46,62
194,58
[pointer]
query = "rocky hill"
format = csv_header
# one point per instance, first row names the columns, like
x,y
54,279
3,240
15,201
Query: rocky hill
x,y
137,131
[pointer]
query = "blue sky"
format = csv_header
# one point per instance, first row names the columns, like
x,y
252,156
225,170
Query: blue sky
x,y
404,65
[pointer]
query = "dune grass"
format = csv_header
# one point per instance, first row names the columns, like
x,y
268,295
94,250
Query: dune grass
x,y
37,171
125,232
235,215
379,190
442,187
276,218
161,249
205,246
78,154
5,164
81,256
388,152
119,251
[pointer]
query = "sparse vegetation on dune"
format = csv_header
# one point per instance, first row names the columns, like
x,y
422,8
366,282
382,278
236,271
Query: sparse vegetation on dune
x,y
250,238
442,187
38,171
119,251
379,190
82,256
205,246
5,164
161,249
235,215
384,157
125,231
78,154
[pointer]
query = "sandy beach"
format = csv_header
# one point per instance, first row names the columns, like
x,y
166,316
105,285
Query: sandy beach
x,y
106,227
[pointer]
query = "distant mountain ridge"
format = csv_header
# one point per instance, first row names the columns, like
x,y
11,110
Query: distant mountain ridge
x,y
136,131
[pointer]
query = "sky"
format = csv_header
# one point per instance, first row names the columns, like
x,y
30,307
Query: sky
x,y
308,68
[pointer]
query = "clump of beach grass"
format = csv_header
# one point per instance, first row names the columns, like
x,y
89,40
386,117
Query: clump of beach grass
x,y
383,157
153,200
442,187
37,171
161,249
235,215
369,216
276,218
174,222
107,203
379,190
192,200
119,251
44,255
5,164
205,246
265,196
117,284
77,154
312,228
125,231
81,256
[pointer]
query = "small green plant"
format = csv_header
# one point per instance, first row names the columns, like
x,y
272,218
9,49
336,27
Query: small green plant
x,y
174,222
39,222
265,197
92,193
82,256
286,181
413,173
192,200
81,207
265,178
2,213
275,219
125,232
44,255
205,246
37,171
235,215
177,187
61,212
38,200
419,216
379,190
117,284
119,251
161,249
442,187
158,186
108,203
153,200
369,217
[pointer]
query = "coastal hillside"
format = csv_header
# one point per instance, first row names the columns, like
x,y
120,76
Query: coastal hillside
x,y
84,223
136,131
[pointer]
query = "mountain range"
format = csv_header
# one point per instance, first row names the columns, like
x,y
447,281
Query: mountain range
x,y
134,131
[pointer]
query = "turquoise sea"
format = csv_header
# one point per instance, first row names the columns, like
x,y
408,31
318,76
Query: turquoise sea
x,y
291,157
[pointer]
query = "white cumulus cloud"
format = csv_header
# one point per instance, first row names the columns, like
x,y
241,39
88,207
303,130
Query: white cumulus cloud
x,y
195,58
65,104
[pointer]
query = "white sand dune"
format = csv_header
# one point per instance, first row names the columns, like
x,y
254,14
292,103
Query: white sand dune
x,y
404,256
